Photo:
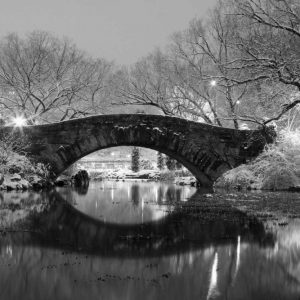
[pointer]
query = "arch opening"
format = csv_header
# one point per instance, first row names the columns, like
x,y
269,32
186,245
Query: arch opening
x,y
202,179
120,158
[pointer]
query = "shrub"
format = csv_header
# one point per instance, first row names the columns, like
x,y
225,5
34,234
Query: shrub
x,y
11,148
239,178
146,164
13,159
183,172
276,168
278,164
135,159
167,175
160,161
170,163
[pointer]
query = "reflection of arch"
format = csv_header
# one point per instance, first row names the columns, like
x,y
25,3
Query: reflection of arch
x,y
207,151
82,190
64,227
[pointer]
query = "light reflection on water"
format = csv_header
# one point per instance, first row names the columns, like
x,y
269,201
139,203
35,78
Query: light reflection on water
x,y
130,202
204,248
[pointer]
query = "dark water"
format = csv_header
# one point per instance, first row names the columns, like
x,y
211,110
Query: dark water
x,y
129,240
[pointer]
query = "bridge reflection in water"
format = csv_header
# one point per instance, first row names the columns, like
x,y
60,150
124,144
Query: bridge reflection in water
x,y
204,251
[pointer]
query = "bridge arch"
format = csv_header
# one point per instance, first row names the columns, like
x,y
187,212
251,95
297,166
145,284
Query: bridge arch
x,y
207,151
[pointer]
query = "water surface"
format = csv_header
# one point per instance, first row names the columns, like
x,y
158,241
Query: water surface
x,y
140,240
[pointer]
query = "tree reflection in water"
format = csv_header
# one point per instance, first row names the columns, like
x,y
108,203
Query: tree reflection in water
x,y
135,194
128,202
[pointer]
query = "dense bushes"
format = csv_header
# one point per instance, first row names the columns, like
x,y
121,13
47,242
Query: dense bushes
x,y
146,164
16,170
276,168
135,159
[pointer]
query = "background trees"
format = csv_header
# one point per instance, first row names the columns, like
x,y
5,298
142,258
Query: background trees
x,y
160,161
146,83
264,56
135,159
271,39
200,55
269,46
241,64
44,78
170,163
191,79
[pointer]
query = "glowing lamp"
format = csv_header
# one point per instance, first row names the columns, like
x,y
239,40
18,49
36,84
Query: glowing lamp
x,y
213,83
19,121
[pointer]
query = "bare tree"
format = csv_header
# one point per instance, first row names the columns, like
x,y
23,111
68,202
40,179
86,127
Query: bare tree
x,y
192,79
240,64
44,78
208,49
146,83
270,44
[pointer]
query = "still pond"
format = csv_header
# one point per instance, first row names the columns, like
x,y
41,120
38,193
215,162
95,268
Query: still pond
x,y
145,240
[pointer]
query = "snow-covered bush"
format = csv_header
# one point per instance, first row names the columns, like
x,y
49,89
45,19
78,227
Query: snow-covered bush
x,y
166,175
146,164
238,178
276,168
11,148
16,169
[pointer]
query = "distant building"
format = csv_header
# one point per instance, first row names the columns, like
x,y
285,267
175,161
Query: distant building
x,y
113,159
104,164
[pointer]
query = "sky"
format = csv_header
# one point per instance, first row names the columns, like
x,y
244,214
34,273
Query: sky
x,y
118,30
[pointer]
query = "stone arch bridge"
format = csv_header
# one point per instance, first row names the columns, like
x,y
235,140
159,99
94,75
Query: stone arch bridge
x,y
207,151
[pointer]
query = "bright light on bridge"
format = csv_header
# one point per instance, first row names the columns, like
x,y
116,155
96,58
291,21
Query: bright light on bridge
x,y
19,121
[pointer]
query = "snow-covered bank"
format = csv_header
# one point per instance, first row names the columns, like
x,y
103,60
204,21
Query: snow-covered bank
x,y
19,173
178,176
